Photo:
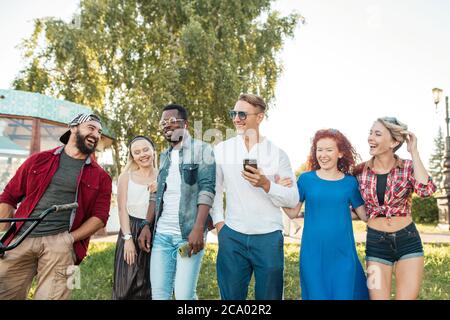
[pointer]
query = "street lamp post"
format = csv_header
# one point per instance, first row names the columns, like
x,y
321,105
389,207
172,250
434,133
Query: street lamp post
x,y
443,200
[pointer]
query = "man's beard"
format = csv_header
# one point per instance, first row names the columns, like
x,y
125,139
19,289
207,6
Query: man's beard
x,y
81,144
176,136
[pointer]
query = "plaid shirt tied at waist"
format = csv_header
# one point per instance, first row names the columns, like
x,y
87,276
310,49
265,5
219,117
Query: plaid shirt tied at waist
x,y
399,188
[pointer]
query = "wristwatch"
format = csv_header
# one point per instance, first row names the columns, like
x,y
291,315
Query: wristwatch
x,y
127,236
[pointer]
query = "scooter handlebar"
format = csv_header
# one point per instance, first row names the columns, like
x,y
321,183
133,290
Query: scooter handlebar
x,y
64,207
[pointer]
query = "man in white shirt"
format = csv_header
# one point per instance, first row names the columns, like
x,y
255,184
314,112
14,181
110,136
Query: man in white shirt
x,y
250,232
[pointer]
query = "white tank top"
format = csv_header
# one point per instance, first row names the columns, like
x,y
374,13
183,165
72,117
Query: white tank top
x,y
137,199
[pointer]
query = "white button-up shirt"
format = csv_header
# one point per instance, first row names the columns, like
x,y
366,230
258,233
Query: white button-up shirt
x,y
249,209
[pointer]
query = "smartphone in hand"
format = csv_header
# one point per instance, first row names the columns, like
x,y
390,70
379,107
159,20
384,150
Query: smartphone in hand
x,y
250,162
184,250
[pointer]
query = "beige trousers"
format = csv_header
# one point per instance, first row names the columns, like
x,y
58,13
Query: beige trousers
x,y
50,259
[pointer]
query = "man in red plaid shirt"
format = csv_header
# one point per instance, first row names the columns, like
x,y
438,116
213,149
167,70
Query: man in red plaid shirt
x,y
53,177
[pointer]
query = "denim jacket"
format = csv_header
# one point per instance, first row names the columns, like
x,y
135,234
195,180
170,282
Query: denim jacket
x,y
198,182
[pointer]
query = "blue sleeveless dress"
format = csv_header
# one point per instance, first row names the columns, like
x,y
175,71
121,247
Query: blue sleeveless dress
x,y
329,265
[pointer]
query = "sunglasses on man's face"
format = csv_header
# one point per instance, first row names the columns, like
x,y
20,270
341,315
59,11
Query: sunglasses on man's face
x,y
241,114
169,122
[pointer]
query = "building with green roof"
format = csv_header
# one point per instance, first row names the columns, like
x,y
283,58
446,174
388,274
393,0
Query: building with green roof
x,y
32,122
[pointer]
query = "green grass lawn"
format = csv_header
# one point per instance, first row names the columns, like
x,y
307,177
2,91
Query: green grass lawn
x,y
97,271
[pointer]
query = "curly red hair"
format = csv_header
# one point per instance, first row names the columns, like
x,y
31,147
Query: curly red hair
x,y
346,164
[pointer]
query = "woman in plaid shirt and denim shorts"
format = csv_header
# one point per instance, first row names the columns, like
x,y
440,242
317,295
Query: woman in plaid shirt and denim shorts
x,y
386,183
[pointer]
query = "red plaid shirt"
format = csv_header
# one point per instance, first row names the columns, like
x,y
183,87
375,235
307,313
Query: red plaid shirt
x,y
399,188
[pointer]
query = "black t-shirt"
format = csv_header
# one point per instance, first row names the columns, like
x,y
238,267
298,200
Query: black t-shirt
x,y
381,187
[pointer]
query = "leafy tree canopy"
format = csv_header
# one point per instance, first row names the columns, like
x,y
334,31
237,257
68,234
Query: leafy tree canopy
x,y
128,58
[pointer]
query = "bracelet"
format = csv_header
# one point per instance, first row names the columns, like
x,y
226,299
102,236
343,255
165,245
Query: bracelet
x,y
144,223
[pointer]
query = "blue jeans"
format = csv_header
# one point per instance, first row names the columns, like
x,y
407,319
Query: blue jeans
x,y
170,273
240,255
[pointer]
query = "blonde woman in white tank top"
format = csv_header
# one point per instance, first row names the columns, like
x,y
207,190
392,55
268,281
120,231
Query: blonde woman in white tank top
x,y
131,266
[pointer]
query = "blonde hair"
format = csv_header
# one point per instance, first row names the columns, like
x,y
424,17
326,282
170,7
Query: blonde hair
x,y
131,164
397,129
254,100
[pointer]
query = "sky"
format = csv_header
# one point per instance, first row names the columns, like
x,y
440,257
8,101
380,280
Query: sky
x,y
352,62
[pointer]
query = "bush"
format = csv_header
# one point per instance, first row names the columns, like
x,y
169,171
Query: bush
x,y
424,210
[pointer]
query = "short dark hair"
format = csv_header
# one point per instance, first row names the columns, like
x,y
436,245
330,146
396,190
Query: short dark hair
x,y
181,110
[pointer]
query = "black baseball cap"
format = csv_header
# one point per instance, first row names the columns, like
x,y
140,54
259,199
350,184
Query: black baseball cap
x,y
79,119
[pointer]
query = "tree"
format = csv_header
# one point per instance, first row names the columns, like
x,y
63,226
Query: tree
x,y
128,58
303,167
435,163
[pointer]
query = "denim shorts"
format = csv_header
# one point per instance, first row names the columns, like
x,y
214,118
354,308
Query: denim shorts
x,y
389,247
